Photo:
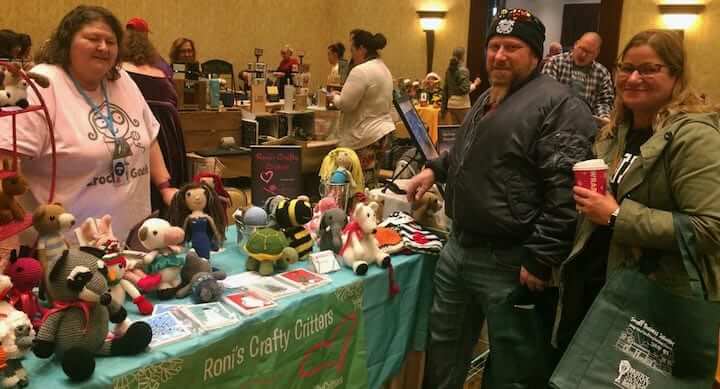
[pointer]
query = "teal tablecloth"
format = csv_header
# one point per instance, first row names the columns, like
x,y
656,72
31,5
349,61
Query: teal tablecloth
x,y
393,326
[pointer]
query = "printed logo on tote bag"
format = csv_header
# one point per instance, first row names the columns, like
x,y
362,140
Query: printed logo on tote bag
x,y
629,378
647,345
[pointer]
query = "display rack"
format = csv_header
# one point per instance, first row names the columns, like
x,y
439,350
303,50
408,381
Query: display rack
x,y
15,227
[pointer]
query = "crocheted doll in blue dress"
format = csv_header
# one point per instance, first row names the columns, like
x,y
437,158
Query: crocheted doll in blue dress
x,y
197,209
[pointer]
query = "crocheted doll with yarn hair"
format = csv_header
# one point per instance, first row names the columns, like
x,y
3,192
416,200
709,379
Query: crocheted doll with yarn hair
x,y
342,165
197,209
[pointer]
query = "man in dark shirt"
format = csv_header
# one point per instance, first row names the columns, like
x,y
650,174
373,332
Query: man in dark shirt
x,y
509,193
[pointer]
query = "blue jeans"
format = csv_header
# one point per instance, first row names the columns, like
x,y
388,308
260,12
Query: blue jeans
x,y
465,278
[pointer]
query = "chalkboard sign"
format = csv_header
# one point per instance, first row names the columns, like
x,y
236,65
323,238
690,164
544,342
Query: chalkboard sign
x,y
446,138
276,170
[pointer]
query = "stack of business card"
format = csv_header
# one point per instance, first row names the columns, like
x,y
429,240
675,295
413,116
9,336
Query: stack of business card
x,y
324,262
166,328
303,279
272,288
249,301
209,316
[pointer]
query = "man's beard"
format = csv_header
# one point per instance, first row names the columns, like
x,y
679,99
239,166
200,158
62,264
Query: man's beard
x,y
499,87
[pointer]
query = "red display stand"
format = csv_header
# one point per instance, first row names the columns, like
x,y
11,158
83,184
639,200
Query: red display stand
x,y
11,113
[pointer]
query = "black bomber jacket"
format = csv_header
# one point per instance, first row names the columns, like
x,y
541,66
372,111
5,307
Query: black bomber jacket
x,y
509,176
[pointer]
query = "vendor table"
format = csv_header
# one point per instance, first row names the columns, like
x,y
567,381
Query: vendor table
x,y
347,334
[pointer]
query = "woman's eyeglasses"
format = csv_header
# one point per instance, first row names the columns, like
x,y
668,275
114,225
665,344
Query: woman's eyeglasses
x,y
645,70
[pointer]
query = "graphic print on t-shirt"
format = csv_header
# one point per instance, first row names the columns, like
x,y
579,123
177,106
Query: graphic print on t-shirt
x,y
125,127
623,167
122,168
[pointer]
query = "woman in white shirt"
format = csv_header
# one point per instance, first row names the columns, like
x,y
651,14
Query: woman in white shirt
x,y
366,102
104,131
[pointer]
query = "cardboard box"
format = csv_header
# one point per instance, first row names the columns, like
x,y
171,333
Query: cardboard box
x,y
198,163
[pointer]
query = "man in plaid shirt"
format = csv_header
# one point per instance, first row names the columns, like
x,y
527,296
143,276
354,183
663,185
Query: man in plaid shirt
x,y
588,79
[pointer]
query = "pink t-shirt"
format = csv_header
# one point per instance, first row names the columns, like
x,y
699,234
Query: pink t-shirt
x,y
84,148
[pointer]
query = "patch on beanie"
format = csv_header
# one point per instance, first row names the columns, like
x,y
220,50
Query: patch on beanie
x,y
505,26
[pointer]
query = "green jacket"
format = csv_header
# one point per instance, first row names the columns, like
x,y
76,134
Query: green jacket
x,y
675,182
669,196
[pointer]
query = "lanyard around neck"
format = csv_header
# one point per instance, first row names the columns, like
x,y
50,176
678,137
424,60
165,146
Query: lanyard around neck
x,y
96,109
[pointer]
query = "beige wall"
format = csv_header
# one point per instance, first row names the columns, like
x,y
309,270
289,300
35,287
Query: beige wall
x,y
231,29
700,40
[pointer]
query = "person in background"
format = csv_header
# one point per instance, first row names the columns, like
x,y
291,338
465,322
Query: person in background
x,y
509,194
104,131
663,148
140,25
140,61
554,49
351,63
288,65
457,89
366,102
336,54
25,42
9,45
182,50
589,79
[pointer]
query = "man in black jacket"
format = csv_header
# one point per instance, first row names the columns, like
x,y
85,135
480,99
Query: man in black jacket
x,y
509,192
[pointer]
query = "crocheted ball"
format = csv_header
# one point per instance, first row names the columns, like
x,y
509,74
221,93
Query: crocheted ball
x,y
255,216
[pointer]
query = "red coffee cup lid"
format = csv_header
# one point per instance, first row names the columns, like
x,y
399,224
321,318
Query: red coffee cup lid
x,y
591,164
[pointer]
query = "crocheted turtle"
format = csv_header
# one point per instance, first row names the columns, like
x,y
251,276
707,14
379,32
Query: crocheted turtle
x,y
269,250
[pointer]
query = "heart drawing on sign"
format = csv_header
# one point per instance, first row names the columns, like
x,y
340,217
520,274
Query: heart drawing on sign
x,y
266,176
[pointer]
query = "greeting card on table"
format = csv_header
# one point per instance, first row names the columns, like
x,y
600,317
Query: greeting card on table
x,y
324,262
241,279
166,328
249,301
162,308
272,288
209,316
303,279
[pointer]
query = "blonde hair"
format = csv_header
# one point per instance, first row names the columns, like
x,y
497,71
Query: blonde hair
x,y
287,49
669,47
329,165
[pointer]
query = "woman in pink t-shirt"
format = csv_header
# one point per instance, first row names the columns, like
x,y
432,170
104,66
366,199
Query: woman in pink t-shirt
x,y
104,131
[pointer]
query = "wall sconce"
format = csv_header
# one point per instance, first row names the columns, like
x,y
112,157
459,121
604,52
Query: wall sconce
x,y
430,21
680,16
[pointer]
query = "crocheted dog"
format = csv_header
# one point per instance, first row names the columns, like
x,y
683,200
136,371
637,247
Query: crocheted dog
x,y
76,327
359,243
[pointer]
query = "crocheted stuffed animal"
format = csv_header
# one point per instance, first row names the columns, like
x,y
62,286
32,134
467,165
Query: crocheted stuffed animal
x,y
10,209
291,216
16,337
199,279
25,273
359,243
162,262
75,328
15,86
113,267
331,227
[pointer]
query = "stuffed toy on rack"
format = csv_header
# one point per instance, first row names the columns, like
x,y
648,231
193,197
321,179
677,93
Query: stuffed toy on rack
x,y
163,264
10,208
16,338
197,209
76,327
291,216
25,273
14,92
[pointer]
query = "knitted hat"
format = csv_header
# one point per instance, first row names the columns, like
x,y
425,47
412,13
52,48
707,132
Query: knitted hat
x,y
521,24
138,24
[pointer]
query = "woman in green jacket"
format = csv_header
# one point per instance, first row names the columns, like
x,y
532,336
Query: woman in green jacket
x,y
663,149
